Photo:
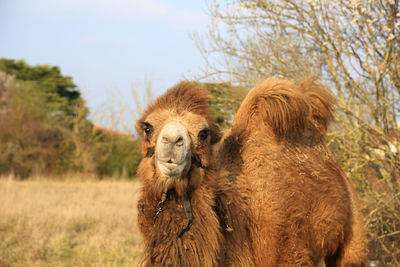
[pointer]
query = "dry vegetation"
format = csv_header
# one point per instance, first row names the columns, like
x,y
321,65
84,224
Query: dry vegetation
x,y
352,48
74,223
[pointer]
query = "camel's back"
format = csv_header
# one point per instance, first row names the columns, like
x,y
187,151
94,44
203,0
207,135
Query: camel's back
x,y
296,192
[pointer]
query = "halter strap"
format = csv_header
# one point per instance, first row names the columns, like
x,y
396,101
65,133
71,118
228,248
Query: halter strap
x,y
185,199
150,153
197,162
189,214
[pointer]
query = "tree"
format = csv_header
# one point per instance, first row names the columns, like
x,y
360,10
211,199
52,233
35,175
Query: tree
x,y
27,140
225,101
44,128
42,121
352,47
63,99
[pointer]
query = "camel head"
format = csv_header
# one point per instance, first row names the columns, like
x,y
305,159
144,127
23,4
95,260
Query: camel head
x,y
177,133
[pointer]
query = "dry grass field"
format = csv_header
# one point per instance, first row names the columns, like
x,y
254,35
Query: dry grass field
x,y
68,223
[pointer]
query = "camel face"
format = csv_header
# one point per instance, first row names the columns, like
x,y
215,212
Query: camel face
x,y
177,133
178,140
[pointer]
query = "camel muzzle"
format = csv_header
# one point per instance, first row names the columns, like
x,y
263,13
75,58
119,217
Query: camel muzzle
x,y
173,150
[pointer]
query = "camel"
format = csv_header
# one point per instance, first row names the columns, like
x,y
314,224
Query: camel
x,y
266,193
187,215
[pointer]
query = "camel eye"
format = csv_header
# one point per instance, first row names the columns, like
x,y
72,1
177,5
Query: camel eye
x,y
203,134
147,129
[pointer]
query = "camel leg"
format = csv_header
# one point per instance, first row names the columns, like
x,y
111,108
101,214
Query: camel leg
x,y
350,254
355,249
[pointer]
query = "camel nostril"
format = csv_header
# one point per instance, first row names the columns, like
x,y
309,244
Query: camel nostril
x,y
165,140
169,161
179,141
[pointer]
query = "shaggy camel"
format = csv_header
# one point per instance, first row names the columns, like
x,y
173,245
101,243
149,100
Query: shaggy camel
x,y
268,194
187,215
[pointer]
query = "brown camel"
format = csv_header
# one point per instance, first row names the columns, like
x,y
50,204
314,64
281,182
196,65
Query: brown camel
x,y
187,214
268,194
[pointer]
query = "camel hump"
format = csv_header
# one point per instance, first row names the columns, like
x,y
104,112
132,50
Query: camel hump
x,y
287,108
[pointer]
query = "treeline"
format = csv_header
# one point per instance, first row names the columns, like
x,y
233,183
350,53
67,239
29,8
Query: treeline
x,y
44,127
45,130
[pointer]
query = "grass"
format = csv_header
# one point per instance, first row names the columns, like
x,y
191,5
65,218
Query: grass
x,y
75,223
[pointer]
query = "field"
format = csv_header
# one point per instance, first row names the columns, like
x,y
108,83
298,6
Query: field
x,y
68,223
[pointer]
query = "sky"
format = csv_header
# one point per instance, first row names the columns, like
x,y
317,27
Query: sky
x,y
107,46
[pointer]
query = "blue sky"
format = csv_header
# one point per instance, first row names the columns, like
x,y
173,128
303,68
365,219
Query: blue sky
x,y
106,45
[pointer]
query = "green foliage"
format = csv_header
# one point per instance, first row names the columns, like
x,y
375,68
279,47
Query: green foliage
x,y
116,154
60,94
44,127
225,101
27,141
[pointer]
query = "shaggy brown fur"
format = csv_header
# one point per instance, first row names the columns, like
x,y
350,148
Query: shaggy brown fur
x,y
302,206
219,213
270,195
